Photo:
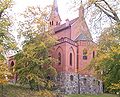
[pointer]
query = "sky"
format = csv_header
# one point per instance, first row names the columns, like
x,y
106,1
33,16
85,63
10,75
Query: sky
x,y
19,6
63,5
65,8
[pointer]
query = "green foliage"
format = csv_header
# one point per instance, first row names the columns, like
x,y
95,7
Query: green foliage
x,y
33,64
4,73
115,88
107,64
46,93
6,41
19,91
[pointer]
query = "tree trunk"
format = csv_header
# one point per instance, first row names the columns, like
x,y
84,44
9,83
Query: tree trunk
x,y
2,91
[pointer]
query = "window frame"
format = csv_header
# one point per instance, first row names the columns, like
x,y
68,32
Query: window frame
x,y
70,58
85,54
59,58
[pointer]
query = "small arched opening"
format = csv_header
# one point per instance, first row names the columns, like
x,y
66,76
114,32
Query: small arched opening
x,y
59,58
70,59
71,78
84,54
12,64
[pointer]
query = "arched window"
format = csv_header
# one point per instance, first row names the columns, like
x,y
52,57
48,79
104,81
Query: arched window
x,y
52,22
59,58
71,59
56,23
93,54
12,64
98,83
85,81
84,54
71,77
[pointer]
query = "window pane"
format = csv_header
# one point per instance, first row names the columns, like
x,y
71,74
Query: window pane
x,y
84,57
59,58
93,54
84,54
71,59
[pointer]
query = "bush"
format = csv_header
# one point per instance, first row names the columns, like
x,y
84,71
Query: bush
x,y
46,93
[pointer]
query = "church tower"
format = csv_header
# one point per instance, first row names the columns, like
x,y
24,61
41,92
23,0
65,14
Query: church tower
x,y
74,51
84,33
55,19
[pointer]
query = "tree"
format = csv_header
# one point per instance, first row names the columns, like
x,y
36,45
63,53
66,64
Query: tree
x,y
6,40
4,72
35,20
115,87
4,5
33,62
107,64
107,8
100,13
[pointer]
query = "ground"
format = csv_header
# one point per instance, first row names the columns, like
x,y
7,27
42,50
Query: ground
x,y
101,95
17,91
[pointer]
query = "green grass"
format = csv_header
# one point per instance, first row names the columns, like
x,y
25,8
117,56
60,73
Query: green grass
x,y
101,95
17,91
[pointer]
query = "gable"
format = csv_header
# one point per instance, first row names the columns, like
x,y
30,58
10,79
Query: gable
x,y
63,26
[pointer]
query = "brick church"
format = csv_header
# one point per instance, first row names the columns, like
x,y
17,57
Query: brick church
x,y
74,51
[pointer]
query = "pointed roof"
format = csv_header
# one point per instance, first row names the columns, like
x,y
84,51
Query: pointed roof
x,y
54,13
55,7
63,26
82,37
81,10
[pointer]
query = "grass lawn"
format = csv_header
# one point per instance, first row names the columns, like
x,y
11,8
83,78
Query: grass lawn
x,y
17,91
102,95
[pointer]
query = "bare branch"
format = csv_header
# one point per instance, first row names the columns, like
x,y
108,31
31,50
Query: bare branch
x,y
113,12
102,8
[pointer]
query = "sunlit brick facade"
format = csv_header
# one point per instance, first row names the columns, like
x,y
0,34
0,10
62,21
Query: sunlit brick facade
x,y
75,50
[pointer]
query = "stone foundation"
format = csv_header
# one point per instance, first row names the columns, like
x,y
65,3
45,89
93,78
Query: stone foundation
x,y
73,83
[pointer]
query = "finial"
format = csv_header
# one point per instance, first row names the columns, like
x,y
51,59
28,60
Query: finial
x,y
81,10
55,3
81,2
55,6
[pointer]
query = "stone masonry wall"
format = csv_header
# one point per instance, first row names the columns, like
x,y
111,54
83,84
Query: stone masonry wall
x,y
69,83
73,83
89,85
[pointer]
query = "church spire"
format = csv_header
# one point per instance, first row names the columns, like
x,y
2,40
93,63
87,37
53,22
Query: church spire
x,y
55,6
54,17
81,10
